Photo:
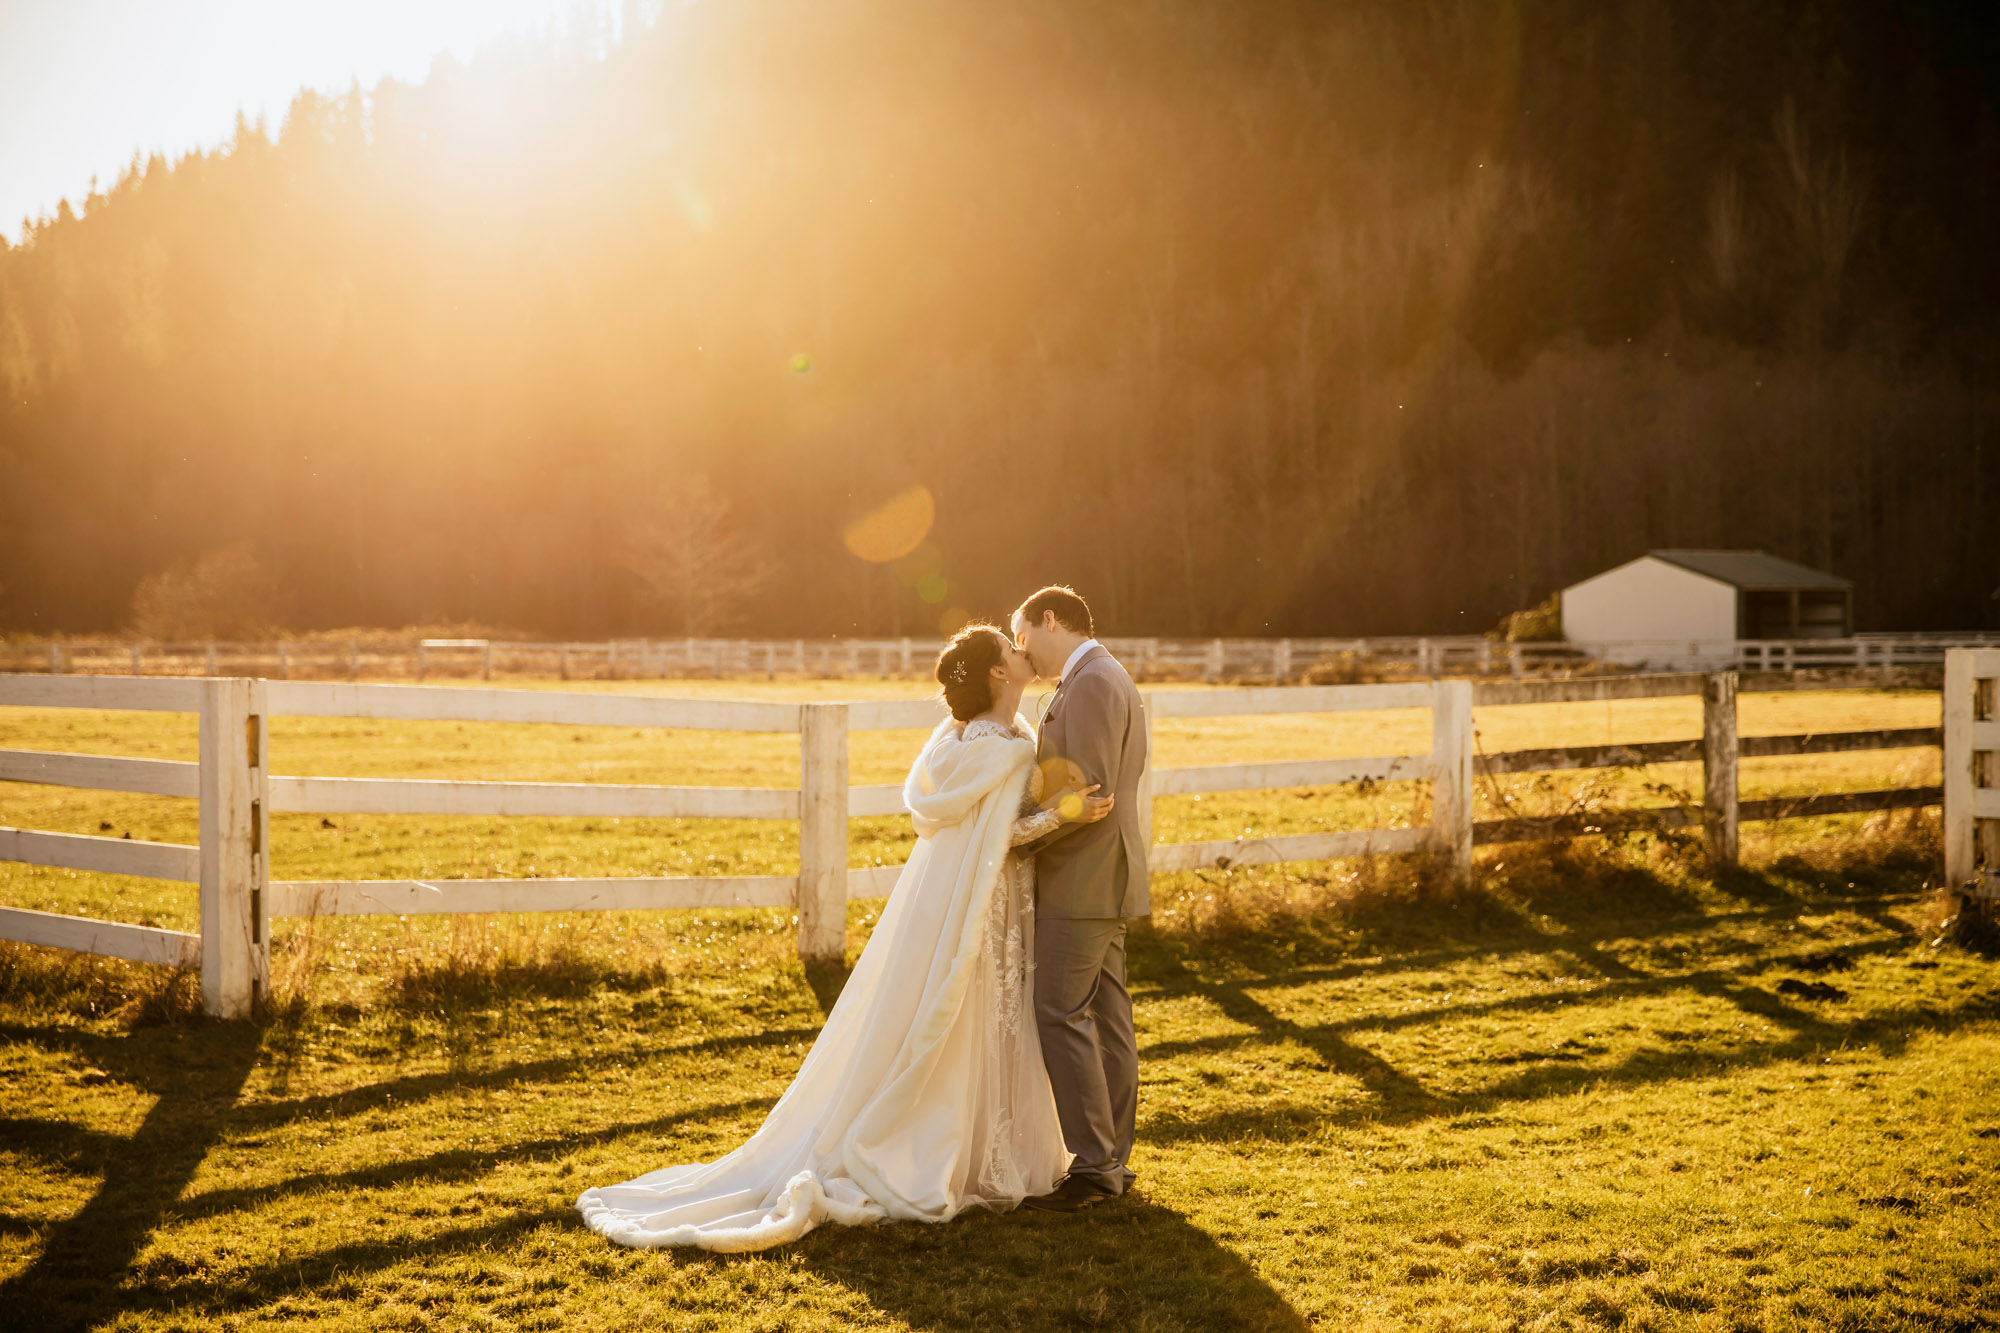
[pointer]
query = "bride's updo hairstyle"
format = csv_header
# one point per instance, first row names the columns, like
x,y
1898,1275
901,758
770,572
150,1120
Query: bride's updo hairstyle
x,y
964,668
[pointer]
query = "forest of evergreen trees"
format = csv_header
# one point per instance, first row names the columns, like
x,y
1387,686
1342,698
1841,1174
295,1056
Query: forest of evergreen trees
x,y
1273,316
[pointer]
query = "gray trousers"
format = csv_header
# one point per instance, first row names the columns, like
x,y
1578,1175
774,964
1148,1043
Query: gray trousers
x,y
1085,1018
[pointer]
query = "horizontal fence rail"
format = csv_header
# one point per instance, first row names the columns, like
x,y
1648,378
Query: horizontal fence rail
x,y
1214,660
109,856
114,939
237,795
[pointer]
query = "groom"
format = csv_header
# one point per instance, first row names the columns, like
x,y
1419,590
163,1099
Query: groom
x,y
1089,879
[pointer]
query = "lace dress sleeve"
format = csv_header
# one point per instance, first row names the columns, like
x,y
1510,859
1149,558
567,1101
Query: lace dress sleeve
x,y
1034,821
1034,826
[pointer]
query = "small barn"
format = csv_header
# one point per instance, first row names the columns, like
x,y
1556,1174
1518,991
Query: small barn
x,y
1708,595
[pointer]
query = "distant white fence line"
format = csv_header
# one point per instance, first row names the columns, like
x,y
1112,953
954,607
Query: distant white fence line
x,y
1279,661
237,795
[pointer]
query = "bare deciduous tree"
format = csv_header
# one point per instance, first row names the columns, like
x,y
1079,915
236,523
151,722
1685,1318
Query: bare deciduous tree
x,y
696,561
224,594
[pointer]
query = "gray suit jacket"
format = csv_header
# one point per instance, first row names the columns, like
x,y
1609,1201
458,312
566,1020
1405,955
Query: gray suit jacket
x,y
1096,721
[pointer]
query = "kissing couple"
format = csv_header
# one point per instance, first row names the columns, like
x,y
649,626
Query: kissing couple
x,y
981,1054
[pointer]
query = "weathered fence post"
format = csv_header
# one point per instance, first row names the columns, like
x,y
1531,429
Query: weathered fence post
x,y
1959,857
135,659
486,660
906,656
1718,766
423,660
1146,778
211,661
354,659
1212,669
235,955
1282,666
1451,776
822,893
1971,771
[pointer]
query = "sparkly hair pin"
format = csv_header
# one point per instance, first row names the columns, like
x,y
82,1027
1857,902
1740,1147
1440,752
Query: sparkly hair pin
x,y
958,672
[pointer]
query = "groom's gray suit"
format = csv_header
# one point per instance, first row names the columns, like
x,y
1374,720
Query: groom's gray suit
x,y
1088,879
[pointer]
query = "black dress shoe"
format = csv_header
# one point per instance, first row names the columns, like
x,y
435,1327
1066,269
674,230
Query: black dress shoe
x,y
1075,1194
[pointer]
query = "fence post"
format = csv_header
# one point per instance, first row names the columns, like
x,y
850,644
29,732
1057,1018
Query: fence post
x,y
135,659
1718,766
1146,777
486,660
906,656
234,738
822,893
1283,669
1972,775
1213,669
211,660
1960,852
1451,776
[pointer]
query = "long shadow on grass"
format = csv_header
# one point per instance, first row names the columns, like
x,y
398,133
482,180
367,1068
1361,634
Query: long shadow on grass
x,y
107,1052
1811,1036
1639,907
1127,1264
1420,937
327,1269
445,1082
455,1164
196,1077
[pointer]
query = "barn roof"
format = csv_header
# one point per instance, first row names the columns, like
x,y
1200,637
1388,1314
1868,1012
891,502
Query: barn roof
x,y
1751,569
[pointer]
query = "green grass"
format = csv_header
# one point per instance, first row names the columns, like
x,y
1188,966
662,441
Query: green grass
x,y
1574,1097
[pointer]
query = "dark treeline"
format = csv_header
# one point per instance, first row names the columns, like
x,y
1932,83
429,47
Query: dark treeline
x,y
1252,317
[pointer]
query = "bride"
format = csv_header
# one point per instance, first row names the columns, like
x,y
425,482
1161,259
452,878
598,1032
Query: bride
x,y
925,1093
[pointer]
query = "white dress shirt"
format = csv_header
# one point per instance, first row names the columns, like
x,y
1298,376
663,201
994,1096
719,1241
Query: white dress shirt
x,y
1081,649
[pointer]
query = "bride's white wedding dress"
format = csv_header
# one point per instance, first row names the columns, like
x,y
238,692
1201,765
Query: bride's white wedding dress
x,y
925,1093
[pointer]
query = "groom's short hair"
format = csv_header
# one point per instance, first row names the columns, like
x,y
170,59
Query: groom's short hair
x,y
1072,612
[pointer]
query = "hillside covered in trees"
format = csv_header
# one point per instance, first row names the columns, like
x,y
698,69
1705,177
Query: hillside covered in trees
x,y
1266,317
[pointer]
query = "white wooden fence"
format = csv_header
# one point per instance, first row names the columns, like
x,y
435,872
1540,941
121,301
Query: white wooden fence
x,y
1213,660
1972,774
237,795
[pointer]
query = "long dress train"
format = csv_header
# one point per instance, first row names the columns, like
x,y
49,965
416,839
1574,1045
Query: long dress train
x,y
925,1092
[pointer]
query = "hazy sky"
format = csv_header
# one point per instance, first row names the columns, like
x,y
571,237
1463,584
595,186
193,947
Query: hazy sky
x,y
85,83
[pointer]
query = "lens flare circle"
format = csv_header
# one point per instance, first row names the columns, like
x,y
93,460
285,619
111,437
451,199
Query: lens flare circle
x,y
894,529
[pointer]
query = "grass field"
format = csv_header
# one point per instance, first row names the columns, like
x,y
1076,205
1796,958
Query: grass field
x,y
1582,1095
